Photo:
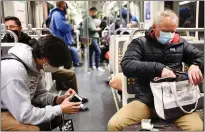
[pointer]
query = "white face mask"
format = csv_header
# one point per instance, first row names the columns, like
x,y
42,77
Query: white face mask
x,y
49,68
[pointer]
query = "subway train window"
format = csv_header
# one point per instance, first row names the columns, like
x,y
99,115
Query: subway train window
x,y
102,65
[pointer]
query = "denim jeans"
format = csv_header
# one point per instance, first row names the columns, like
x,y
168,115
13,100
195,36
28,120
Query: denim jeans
x,y
74,54
94,47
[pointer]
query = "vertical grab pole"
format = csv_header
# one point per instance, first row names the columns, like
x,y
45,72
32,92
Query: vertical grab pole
x,y
197,19
2,11
121,12
26,13
86,50
44,18
128,12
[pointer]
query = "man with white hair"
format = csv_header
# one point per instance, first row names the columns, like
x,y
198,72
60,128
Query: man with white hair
x,y
158,54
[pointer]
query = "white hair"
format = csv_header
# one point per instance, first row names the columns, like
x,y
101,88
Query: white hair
x,y
167,13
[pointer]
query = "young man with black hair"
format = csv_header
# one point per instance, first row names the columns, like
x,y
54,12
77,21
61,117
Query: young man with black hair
x,y
94,35
65,78
22,86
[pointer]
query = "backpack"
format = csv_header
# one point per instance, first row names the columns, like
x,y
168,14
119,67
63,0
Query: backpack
x,y
14,57
48,21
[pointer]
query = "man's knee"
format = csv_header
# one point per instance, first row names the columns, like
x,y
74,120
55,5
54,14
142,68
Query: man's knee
x,y
190,122
194,126
69,74
113,125
9,123
32,128
197,127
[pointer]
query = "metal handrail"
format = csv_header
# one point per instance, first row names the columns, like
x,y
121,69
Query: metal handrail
x,y
115,32
135,31
126,29
191,29
4,31
33,29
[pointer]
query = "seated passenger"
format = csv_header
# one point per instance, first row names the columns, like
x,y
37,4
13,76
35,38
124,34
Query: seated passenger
x,y
65,78
60,27
148,57
132,19
13,23
23,88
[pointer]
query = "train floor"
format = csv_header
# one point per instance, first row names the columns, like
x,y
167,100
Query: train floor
x,y
101,103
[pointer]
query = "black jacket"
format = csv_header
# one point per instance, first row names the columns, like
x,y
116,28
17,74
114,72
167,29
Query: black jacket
x,y
145,59
24,38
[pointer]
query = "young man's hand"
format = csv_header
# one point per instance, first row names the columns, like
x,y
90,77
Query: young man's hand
x,y
70,107
70,92
61,98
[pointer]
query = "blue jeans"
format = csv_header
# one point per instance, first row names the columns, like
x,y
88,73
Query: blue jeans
x,y
74,54
94,47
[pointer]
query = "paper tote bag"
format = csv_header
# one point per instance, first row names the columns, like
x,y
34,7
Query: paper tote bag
x,y
174,99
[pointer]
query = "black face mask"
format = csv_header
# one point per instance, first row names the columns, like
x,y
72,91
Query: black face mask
x,y
16,32
94,16
65,10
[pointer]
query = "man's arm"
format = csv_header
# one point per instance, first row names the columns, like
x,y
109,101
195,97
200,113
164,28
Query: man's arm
x,y
16,97
133,65
192,55
42,96
91,26
195,59
61,24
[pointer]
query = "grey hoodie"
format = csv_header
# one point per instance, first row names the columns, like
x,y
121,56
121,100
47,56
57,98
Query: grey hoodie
x,y
21,87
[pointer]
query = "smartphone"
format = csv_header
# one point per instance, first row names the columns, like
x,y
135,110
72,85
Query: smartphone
x,y
75,98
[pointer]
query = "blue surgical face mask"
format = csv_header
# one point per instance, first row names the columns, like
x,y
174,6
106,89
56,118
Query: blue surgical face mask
x,y
165,37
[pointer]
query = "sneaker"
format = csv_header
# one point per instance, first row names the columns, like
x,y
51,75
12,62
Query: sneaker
x,y
100,69
93,67
78,65
84,100
83,108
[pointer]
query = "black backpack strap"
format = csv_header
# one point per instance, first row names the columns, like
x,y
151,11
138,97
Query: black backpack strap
x,y
14,57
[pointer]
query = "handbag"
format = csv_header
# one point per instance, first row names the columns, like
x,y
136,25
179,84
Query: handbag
x,y
85,40
174,97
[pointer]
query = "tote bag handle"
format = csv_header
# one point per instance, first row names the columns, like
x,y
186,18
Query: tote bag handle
x,y
173,88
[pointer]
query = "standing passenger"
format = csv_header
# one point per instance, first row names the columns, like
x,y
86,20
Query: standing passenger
x,y
60,27
93,34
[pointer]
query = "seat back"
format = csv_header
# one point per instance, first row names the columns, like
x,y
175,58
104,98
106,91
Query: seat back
x,y
128,84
